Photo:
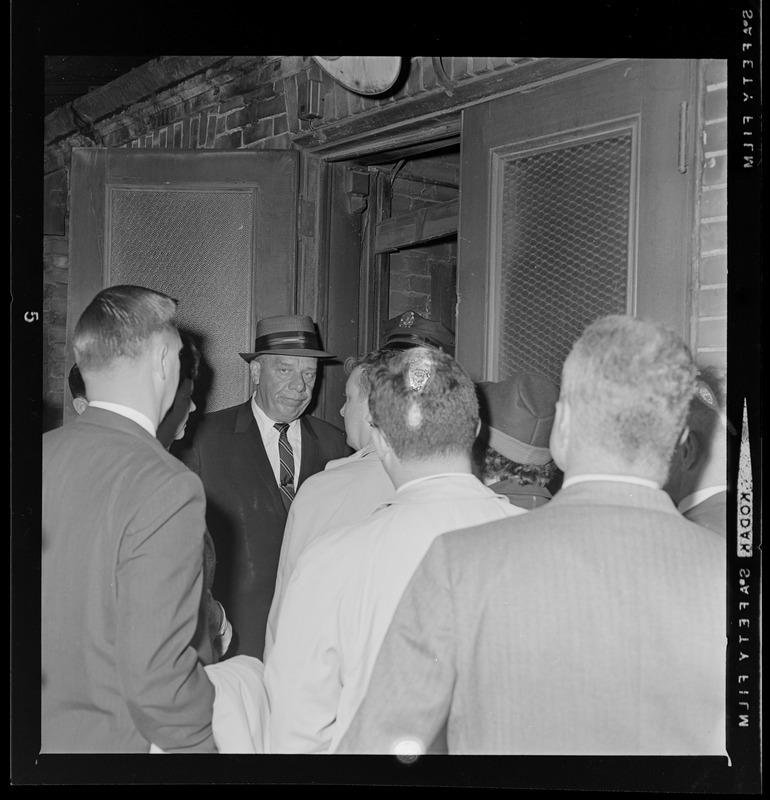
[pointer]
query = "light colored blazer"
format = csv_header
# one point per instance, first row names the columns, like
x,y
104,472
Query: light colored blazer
x,y
346,491
594,625
122,580
340,599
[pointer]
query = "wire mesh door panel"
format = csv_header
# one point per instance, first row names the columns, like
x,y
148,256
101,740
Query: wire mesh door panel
x,y
565,242
196,246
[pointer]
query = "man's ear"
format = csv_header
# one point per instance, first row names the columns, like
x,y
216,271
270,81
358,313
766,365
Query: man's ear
x,y
380,443
163,355
689,449
255,367
158,355
559,439
80,404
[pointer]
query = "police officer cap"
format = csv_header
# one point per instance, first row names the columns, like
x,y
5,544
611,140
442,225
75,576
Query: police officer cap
x,y
411,329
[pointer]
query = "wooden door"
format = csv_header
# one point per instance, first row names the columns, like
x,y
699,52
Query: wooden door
x,y
576,202
217,231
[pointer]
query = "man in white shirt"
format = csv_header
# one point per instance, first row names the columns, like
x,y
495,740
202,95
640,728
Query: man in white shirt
x,y
697,476
346,584
594,625
347,490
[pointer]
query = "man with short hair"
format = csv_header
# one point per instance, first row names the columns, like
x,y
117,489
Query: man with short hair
x,y
123,644
594,625
345,585
252,458
348,489
697,482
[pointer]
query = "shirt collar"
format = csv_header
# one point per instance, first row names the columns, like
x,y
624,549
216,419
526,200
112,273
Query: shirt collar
x,y
616,478
126,411
437,475
267,425
696,498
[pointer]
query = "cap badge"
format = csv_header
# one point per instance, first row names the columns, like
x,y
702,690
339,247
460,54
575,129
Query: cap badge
x,y
705,394
407,320
418,372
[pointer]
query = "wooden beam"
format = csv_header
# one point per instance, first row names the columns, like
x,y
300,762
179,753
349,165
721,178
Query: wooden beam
x,y
423,225
340,137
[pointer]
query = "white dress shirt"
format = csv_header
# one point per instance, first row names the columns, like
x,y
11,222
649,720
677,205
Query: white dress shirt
x,y
694,499
270,438
595,476
126,411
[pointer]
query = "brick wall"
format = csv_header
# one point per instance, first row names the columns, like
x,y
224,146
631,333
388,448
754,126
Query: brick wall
x,y
228,103
710,289
410,269
239,102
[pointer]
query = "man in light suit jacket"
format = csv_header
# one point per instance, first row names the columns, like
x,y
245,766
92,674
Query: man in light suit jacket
x,y
347,583
123,644
697,480
345,491
594,625
250,476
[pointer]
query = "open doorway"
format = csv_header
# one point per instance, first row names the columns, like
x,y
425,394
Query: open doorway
x,y
391,246
416,236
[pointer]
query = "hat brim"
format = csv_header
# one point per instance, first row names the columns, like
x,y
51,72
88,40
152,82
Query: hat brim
x,y
405,342
517,451
286,351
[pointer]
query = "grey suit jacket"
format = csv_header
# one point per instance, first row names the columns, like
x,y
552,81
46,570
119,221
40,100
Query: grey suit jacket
x,y
594,625
711,513
245,513
123,636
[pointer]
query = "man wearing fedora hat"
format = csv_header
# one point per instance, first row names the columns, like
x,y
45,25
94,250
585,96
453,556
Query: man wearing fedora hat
x,y
252,458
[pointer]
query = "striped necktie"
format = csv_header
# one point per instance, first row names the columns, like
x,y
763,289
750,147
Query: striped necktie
x,y
286,455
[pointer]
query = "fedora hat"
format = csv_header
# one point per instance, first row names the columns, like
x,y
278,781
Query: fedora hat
x,y
287,335
518,413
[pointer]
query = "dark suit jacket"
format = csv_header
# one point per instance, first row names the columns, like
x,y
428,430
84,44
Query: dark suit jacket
x,y
245,513
594,625
528,496
711,513
122,580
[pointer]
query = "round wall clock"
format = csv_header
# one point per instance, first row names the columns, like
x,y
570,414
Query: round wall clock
x,y
362,74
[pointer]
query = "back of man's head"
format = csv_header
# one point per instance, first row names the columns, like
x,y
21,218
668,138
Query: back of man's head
x,y
117,324
628,383
366,364
425,405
